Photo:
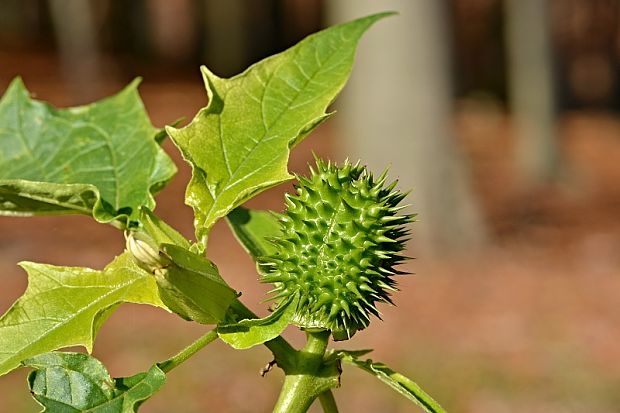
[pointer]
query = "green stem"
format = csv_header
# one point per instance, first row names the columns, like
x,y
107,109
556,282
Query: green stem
x,y
328,402
289,359
187,352
284,354
281,349
300,387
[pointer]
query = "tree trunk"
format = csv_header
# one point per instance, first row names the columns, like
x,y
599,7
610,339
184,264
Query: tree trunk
x,y
74,29
397,111
531,89
173,28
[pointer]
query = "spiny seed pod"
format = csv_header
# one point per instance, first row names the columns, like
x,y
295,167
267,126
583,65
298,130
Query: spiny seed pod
x,y
341,239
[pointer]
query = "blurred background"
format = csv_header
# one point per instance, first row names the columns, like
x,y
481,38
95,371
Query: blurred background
x,y
501,115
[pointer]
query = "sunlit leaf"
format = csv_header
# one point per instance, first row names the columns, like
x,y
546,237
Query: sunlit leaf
x,y
100,159
253,229
252,332
239,144
65,306
76,382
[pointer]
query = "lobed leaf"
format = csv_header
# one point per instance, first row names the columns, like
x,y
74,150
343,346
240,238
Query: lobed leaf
x,y
396,381
76,382
238,145
161,232
65,306
100,159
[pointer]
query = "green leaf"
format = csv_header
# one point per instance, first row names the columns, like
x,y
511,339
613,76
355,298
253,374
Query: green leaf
x,y
252,332
253,229
396,381
76,382
192,287
340,354
239,144
100,159
161,232
66,306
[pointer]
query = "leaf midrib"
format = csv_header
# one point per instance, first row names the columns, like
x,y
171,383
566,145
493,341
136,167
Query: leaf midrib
x,y
69,319
259,141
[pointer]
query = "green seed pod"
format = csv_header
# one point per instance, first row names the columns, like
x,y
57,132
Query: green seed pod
x,y
341,239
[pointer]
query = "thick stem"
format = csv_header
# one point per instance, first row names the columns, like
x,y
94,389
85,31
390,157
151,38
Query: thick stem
x,y
300,386
286,356
187,352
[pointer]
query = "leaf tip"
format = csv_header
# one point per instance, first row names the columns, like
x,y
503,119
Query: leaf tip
x,y
209,79
134,83
16,87
27,265
207,74
170,130
387,13
131,89
17,82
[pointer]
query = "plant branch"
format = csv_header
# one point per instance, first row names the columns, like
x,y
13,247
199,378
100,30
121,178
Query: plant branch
x,y
287,357
304,383
187,352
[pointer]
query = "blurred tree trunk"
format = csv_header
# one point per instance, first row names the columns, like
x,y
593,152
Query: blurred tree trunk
x,y
531,89
19,21
225,48
397,110
74,29
173,29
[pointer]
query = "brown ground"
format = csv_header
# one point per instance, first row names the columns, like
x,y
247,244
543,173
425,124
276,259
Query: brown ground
x,y
532,324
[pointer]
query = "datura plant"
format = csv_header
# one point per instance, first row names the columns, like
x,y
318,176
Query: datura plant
x,y
332,255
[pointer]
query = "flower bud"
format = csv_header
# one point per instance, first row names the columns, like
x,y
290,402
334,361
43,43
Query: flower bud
x,y
144,250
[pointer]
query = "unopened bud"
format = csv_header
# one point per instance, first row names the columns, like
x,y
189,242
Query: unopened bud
x,y
144,250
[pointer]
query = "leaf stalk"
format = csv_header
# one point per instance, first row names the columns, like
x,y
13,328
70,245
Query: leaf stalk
x,y
187,352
